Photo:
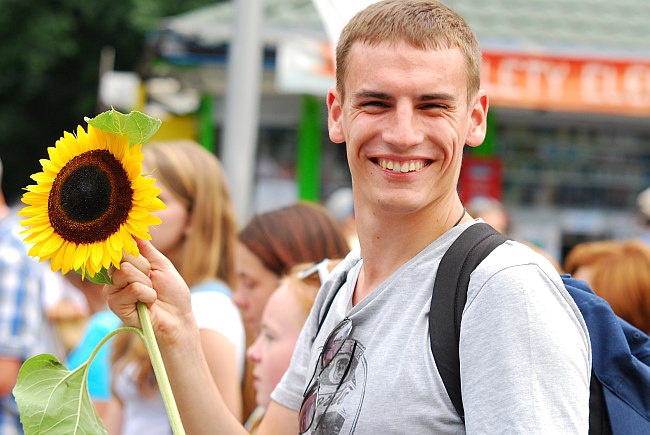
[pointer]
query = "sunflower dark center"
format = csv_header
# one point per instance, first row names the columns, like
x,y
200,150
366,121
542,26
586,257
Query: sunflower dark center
x,y
91,198
86,194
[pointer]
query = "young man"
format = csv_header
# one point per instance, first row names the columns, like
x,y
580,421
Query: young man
x,y
407,101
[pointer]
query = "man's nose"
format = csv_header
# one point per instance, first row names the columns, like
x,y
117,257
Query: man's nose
x,y
404,129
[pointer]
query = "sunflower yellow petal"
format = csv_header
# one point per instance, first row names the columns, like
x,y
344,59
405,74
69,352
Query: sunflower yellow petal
x,y
50,246
156,204
143,183
151,204
107,258
135,163
38,234
33,251
34,190
98,138
35,221
68,257
116,257
140,231
115,242
137,214
43,190
30,211
56,157
146,193
151,220
80,256
48,166
96,256
83,140
42,177
57,260
130,247
92,269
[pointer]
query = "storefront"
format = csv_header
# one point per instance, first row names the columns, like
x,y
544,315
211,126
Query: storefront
x,y
571,145
569,139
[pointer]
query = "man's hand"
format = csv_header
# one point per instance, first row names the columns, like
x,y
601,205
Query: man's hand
x,y
152,279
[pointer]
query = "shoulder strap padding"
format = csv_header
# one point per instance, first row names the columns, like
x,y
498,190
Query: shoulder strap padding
x,y
448,301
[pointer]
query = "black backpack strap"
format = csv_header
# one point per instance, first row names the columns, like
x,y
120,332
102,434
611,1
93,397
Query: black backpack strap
x,y
448,301
338,286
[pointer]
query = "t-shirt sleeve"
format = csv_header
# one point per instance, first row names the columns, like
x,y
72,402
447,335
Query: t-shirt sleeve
x,y
525,354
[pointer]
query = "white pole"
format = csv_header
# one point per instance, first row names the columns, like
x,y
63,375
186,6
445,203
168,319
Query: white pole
x,y
242,101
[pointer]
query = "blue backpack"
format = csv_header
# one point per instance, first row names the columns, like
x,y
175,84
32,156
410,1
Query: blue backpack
x,y
619,401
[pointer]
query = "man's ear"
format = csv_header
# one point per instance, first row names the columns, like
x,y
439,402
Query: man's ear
x,y
334,112
478,120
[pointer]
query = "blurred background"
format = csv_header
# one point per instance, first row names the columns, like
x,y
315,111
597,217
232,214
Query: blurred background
x,y
568,148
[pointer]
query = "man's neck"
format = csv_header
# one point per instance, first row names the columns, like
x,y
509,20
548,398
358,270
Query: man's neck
x,y
388,242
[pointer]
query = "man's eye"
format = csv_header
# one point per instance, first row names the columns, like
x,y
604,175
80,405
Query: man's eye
x,y
374,104
433,106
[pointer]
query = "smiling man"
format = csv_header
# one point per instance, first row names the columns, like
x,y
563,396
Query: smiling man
x,y
406,103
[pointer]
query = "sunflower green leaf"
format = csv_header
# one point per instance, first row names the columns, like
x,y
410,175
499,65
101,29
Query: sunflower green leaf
x,y
54,400
138,126
101,277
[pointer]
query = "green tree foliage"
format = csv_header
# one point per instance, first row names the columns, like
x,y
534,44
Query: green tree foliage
x,y
49,64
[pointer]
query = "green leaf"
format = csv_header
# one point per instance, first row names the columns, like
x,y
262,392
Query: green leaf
x,y
53,400
101,277
136,125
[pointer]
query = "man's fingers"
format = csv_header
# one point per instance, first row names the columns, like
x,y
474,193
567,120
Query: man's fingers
x,y
156,259
127,274
140,262
122,301
129,295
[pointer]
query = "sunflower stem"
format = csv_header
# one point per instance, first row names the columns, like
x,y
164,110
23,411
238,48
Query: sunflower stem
x,y
159,370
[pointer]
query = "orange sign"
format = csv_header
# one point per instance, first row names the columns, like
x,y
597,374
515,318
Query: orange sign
x,y
567,84
520,80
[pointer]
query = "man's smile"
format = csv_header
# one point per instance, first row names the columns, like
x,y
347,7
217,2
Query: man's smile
x,y
402,166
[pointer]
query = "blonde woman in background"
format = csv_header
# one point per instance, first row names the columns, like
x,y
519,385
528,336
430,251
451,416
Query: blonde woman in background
x,y
198,234
282,320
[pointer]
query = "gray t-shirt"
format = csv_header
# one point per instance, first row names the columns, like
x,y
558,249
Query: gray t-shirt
x,y
524,352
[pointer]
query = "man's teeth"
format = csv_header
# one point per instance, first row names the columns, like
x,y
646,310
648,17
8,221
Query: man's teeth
x,y
409,166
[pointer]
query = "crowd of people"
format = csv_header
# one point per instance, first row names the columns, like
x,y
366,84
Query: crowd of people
x,y
302,321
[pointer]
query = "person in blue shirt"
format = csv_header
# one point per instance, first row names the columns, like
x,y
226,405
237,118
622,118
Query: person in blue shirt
x,y
99,325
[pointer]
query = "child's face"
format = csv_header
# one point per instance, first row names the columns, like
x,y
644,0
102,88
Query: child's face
x,y
271,352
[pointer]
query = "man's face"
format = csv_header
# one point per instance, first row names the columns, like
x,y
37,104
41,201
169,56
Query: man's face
x,y
405,120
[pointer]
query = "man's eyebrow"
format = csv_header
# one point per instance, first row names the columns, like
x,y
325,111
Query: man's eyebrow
x,y
371,94
441,96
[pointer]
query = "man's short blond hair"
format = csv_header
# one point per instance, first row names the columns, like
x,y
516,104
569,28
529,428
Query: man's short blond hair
x,y
424,24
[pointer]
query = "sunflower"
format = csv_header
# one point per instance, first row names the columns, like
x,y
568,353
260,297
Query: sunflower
x,y
89,202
